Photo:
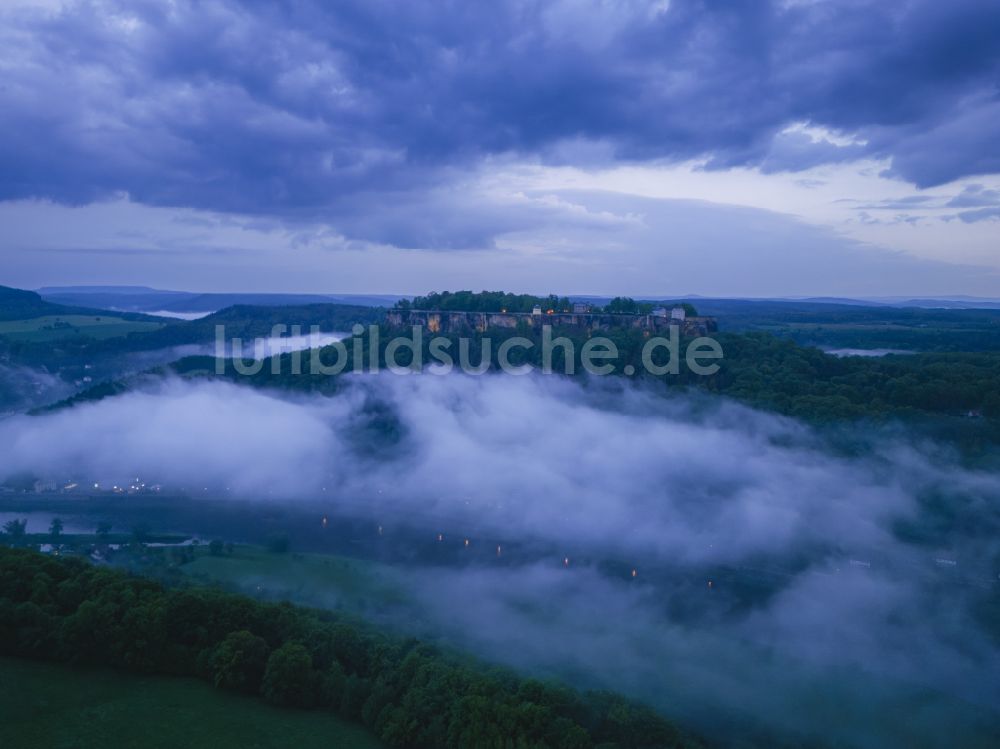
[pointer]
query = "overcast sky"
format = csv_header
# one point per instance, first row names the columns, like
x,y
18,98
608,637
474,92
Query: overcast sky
x,y
580,146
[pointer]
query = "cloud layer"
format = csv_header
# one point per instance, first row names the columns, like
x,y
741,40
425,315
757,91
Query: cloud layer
x,y
620,468
310,109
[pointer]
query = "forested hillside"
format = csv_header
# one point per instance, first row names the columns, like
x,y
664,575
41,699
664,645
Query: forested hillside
x,y
407,693
954,395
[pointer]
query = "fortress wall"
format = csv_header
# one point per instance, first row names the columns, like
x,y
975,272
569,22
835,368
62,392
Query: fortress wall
x,y
468,322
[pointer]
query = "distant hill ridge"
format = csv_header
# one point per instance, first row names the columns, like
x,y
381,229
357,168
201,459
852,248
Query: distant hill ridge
x,y
150,300
20,304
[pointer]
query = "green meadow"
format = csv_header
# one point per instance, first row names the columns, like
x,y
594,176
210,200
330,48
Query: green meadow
x,y
55,327
59,707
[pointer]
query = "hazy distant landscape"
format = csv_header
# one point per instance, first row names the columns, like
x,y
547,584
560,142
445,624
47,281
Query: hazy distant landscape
x,y
562,374
727,543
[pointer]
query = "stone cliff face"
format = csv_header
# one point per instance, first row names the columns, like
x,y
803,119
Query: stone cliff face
x,y
468,322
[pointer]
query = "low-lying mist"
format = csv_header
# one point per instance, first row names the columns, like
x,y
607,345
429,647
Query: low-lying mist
x,y
23,388
779,585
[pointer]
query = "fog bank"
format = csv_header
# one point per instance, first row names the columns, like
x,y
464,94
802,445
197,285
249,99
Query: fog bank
x,y
820,595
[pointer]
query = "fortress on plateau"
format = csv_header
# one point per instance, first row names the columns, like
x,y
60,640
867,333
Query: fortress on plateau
x,y
455,321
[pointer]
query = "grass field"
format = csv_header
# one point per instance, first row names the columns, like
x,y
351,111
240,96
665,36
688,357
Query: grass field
x,y
47,706
52,328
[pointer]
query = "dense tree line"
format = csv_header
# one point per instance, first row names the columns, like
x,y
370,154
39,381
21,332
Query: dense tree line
x,y
500,301
409,694
485,301
623,305
758,368
781,375
859,326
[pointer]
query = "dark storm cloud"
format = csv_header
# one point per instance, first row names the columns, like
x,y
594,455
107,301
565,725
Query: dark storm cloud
x,y
323,110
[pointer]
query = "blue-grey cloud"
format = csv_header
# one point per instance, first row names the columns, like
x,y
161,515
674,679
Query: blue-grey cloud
x,y
575,240
975,196
908,202
980,214
979,203
319,110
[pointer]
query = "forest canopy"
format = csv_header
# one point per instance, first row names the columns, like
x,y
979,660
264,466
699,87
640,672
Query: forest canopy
x,y
406,692
501,301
